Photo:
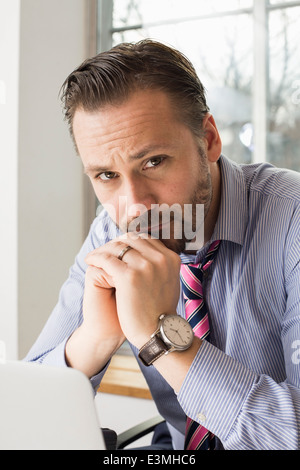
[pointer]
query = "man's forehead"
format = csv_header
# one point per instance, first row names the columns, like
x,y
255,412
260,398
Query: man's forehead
x,y
139,127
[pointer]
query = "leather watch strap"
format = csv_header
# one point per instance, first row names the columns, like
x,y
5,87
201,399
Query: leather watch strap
x,y
152,350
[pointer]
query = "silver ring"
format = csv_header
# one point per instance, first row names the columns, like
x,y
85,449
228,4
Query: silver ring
x,y
122,253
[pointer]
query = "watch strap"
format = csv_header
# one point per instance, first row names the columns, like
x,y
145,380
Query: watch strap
x,y
152,350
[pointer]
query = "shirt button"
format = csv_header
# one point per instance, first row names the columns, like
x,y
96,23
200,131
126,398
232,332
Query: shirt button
x,y
201,417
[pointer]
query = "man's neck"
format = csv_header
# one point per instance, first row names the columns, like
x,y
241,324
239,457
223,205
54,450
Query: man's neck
x,y
212,215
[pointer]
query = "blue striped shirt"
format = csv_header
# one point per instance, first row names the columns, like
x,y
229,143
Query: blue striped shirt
x,y
244,386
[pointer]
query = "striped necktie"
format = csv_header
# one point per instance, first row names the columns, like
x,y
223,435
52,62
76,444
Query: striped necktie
x,y
196,436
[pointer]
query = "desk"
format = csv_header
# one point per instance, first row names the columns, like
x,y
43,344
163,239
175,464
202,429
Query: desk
x,y
124,377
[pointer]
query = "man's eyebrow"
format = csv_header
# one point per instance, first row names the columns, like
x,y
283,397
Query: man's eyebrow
x,y
144,152
94,169
138,156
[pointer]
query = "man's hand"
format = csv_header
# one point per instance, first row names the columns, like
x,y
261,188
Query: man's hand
x,y
123,298
100,335
146,283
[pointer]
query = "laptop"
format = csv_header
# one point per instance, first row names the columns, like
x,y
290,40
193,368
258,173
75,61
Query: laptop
x,y
47,408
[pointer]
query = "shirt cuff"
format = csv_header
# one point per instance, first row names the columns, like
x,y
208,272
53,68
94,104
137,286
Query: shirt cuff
x,y
215,389
56,357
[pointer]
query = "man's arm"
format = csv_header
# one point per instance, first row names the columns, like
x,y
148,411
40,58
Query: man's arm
x,y
92,345
67,316
244,409
146,283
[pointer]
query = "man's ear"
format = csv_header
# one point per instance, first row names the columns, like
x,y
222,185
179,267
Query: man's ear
x,y
211,138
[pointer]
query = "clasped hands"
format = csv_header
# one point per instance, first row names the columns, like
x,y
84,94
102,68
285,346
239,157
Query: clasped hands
x,y
123,298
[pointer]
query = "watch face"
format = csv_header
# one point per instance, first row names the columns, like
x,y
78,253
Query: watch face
x,y
177,331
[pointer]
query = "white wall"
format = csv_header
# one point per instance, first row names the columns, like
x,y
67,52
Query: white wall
x,y
41,182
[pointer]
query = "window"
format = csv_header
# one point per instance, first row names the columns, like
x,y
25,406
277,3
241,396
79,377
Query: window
x,y
245,53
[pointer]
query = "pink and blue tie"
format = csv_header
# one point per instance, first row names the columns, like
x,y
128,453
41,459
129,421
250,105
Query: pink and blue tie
x,y
197,437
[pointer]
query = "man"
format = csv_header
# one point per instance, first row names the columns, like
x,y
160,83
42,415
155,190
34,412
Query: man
x,y
142,128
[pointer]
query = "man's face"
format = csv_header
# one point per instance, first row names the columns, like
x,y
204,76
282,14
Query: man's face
x,y
139,157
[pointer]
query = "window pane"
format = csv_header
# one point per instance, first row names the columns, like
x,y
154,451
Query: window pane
x,y
223,58
276,2
218,38
284,109
133,12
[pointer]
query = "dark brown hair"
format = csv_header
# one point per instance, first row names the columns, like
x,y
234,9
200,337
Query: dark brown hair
x,y
111,76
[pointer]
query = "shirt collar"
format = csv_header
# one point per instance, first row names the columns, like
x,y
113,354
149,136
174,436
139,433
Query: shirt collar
x,y
233,214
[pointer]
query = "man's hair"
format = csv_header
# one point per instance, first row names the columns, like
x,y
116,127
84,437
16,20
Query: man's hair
x,y
110,77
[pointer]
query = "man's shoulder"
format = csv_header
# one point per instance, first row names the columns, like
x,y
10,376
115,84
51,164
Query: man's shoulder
x,y
271,181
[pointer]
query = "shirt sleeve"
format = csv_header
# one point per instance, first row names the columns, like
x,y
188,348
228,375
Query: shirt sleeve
x,y
66,317
243,409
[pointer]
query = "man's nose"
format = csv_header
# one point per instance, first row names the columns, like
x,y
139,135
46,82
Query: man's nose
x,y
138,197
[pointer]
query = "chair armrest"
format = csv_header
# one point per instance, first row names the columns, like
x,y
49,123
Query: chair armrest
x,y
110,438
138,431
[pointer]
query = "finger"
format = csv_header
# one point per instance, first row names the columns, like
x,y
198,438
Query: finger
x,y
145,244
143,248
141,243
120,253
114,247
107,262
99,277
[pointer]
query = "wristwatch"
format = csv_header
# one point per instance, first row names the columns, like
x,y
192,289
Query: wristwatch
x,y
173,333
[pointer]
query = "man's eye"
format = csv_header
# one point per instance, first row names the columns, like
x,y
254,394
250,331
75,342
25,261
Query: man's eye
x,y
154,162
107,175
